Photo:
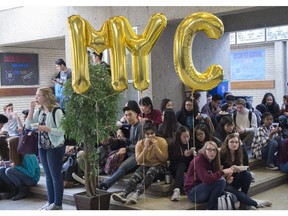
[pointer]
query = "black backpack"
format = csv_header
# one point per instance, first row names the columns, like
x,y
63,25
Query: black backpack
x,y
67,141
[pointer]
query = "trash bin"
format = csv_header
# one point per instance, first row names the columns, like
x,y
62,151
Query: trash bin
x,y
220,89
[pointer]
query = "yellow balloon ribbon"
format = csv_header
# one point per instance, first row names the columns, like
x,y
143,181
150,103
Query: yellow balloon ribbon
x,y
183,40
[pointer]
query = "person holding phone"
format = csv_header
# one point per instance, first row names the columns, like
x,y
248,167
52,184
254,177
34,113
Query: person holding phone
x,y
266,141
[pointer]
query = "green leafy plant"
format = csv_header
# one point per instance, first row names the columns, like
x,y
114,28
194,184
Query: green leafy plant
x,y
89,119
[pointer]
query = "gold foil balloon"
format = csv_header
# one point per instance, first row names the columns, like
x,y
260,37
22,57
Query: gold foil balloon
x,y
121,33
116,34
82,36
183,40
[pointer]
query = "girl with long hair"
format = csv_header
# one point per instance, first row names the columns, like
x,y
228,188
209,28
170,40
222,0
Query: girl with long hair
x,y
205,180
239,182
180,155
51,144
23,172
169,126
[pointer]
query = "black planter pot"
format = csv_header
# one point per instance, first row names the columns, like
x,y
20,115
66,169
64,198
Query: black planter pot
x,y
99,202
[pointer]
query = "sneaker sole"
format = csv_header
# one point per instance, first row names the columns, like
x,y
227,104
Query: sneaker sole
x,y
77,178
118,199
133,201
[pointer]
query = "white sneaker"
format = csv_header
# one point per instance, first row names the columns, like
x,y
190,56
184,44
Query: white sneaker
x,y
176,195
44,207
263,203
78,178
134,198
54,207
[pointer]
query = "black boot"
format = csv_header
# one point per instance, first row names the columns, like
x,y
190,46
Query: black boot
x,y
23,192
12,192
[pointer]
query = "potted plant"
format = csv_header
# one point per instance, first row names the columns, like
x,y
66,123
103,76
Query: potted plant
x,y
89,118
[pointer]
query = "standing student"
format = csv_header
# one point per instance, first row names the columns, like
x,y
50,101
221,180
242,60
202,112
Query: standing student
x,y
205,180
51,144
64,73
24,172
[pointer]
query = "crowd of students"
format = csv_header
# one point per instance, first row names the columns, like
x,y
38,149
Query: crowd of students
x,y
218,139
205,148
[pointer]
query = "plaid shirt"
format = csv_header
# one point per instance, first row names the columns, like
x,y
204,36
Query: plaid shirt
x,y
260,140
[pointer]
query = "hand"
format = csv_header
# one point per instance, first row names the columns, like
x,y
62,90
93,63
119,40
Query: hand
x,y
229,179
121,151
241,130
189,152
33,105
228,171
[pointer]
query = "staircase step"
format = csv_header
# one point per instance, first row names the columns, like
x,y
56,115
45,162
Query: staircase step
x,y
157,196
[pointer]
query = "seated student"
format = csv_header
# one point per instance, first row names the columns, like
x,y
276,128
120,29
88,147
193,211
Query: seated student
x,y
202,135
4,151
229,105
212,109
283,156
272,106
239,182
169,126
166,104
227,126
266,141
148,112
151,155
205,180
180,154
24,172
284,113
14,122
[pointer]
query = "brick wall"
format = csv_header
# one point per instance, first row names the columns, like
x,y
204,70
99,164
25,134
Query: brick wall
x,y
46,58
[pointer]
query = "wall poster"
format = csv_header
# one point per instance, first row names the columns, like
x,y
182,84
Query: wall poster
x,y
19,69
247,65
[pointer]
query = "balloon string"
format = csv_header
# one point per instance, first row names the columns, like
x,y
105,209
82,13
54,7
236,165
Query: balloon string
x,y
194,145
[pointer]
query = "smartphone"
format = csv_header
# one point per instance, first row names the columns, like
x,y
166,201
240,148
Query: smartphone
x,y
275,124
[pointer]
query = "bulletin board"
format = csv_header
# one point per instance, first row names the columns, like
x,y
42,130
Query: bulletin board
x,y
19,69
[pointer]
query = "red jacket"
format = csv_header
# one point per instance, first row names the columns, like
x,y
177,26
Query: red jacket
x,y
203,173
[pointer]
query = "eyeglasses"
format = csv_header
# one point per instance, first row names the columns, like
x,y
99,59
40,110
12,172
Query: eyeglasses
x,y
151,133
211,150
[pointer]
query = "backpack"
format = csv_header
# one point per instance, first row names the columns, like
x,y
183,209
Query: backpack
x,y
113,162
258,118
66,140
226,202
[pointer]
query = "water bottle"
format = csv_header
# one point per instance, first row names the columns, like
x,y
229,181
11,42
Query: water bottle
x,y
168,176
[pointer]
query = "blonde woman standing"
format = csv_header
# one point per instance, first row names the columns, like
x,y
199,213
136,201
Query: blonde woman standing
x,y
50,143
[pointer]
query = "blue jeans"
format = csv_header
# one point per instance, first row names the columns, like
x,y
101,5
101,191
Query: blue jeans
x,y
127,165
284,167
51,160
3,176
242,180
207,193
18,178
268,152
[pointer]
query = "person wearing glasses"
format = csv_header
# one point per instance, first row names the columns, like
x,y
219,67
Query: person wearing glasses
x,y
232,154
205,180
